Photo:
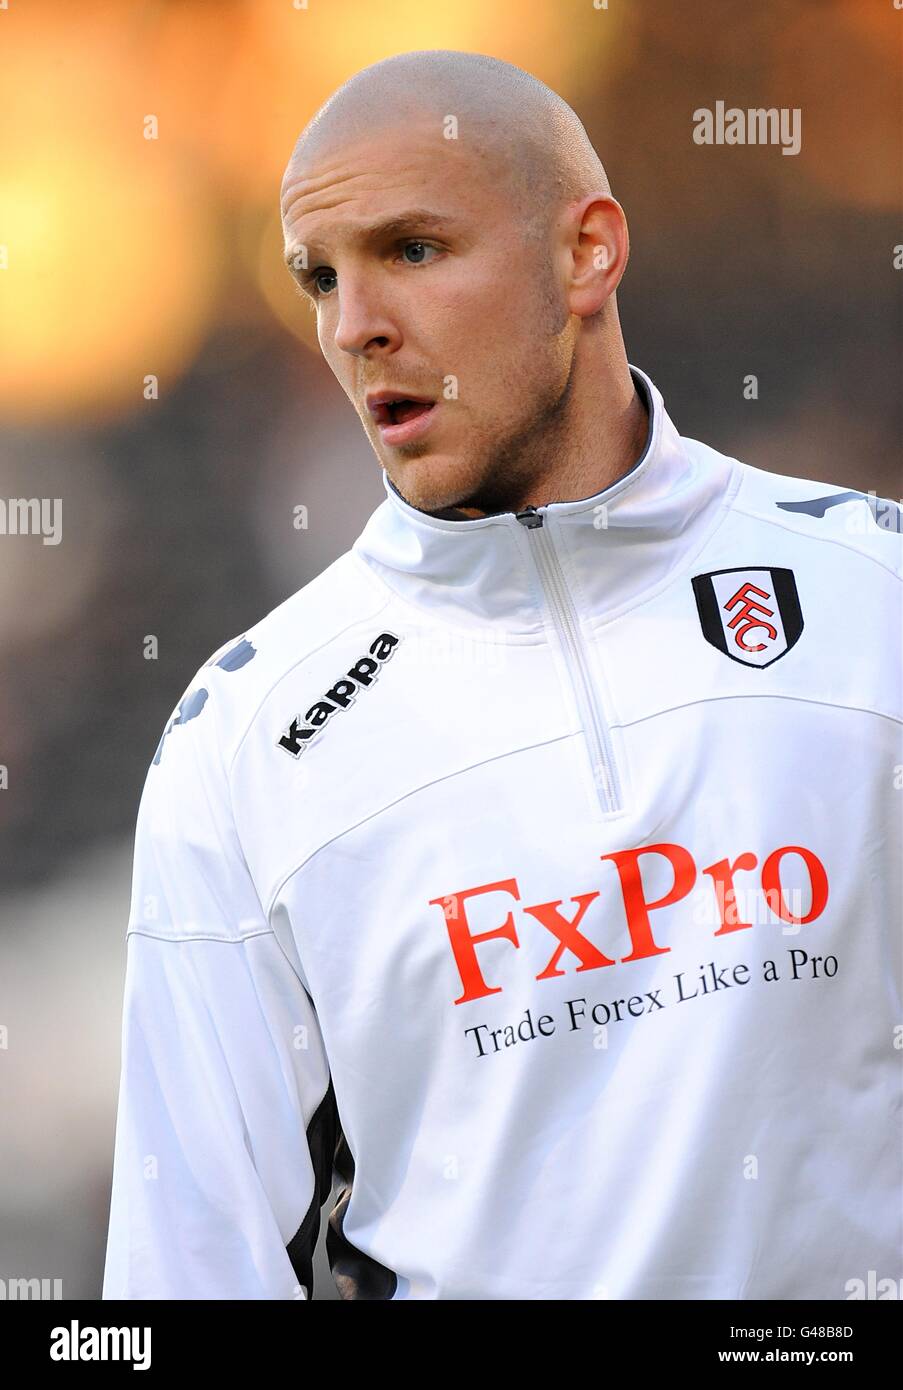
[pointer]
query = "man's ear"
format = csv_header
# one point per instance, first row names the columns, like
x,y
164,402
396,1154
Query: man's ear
x,y
599,248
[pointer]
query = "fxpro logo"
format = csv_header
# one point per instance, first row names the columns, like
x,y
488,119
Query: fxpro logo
x,y
340,696
638,911
76,1343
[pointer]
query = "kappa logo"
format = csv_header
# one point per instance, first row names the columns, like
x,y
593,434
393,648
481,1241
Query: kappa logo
x,y
886,514
229,659
340,696
752,615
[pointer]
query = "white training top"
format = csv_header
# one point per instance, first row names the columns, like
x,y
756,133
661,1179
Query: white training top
x,y
539,876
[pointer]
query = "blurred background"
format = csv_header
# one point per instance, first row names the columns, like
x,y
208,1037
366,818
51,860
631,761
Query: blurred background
x,y
161,377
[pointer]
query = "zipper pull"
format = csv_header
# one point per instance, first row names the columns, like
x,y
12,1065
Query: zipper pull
x,y
529,517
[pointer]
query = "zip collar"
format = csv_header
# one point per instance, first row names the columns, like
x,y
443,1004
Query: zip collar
x,y
609,548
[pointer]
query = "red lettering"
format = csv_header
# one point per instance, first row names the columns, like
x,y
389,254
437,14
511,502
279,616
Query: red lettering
x,y
462,943
568,935
636,907
771,883
722,875
626,861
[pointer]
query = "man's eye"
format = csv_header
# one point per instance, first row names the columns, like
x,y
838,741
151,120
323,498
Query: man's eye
x,y
316,277
318,290
418,245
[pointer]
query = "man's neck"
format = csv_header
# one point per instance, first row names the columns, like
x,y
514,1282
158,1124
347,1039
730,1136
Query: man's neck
x,y
600,444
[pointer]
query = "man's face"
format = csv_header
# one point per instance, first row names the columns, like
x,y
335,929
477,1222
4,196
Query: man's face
x,y
460,310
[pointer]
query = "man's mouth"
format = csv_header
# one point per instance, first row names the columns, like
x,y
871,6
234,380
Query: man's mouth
x,y
406,410
400,418
396,412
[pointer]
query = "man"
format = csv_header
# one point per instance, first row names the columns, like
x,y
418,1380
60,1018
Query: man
x,y
536,868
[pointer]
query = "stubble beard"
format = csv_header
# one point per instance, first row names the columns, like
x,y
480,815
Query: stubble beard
x,y
506,463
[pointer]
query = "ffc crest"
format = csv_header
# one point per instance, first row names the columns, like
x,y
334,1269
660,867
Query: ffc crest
x,y
752,615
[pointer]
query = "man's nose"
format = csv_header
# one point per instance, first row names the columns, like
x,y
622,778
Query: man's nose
x,y
364,320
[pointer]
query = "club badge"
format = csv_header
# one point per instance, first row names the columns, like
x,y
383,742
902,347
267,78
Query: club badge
x,y
752,615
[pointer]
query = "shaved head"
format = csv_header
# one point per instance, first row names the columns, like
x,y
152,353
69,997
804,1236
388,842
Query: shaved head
x,y
489,371
527,137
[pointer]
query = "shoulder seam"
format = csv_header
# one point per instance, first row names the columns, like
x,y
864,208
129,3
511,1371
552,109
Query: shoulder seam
x,y
199,936
284,875
819,539
763,695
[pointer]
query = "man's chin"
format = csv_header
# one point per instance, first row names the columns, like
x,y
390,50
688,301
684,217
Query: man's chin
x,y
431,484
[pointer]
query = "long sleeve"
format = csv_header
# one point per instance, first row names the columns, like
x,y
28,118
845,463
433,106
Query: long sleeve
x,y
226,1127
